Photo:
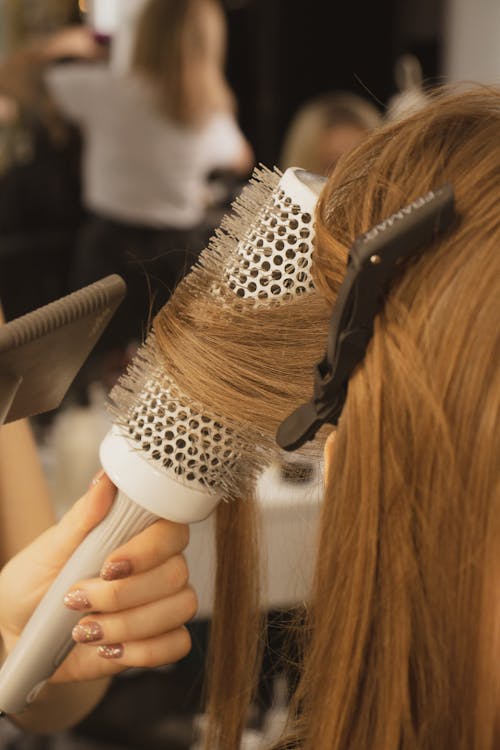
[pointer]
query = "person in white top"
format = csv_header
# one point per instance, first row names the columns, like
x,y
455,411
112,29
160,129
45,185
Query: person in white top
x,y
153,131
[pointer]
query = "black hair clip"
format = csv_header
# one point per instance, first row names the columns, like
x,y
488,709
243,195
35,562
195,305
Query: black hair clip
x,y
373,261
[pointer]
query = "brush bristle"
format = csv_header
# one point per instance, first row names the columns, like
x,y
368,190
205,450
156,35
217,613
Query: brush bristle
x,y
237,225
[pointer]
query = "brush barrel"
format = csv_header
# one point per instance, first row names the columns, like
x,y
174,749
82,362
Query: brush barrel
x,y
46,639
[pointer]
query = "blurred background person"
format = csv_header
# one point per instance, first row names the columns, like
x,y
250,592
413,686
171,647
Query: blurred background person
x,y
153,131
40,204
411,94
152,135
326,127
156,116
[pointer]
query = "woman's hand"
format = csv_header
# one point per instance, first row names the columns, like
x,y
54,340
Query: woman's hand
x,y
133,615
77,42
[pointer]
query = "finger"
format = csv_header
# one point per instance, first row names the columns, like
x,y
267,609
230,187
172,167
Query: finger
x,y
90,663
147,550
151,652
33,568
97,595
136,624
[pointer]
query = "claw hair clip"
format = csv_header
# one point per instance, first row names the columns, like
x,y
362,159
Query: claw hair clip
x,y
374,260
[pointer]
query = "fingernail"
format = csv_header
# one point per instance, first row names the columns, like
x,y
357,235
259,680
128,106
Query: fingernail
x,y
110,571
77,599
97,478
111,652
87,632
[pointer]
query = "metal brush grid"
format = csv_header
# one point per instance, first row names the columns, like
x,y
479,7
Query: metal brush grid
x,y
176,435
274,261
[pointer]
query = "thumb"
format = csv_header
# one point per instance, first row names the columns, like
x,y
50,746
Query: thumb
x,y
81,518
26,577
48,552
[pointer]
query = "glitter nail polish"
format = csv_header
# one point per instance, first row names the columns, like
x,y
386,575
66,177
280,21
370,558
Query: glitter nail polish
x,y
111,571
113,651
77,599
86,632
97,478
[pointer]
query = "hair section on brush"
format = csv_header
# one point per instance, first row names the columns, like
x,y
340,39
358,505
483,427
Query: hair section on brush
x,y
170,404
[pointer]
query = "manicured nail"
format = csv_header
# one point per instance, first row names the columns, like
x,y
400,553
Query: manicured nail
x,y
111,652
110,571
97,478
86,632
77,599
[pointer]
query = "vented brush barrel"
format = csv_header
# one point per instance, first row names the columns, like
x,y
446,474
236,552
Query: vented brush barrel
x,y
272,263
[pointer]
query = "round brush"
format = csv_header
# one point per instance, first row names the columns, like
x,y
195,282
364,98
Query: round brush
x,y
169,457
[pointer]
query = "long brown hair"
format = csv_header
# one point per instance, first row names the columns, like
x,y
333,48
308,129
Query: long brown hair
x,y
180,48
401,636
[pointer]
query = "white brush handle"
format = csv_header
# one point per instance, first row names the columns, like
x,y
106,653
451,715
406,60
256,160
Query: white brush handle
x,y
46,639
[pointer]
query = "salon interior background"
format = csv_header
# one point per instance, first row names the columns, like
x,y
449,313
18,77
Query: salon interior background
x,y
282,52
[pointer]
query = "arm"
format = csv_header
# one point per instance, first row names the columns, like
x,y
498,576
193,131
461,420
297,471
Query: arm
x,y
244,161
70,42
25,512
25,506
154,585
227,148
21,73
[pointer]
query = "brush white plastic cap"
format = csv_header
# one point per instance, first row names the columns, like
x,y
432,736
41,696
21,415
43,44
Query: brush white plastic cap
x,y
149,485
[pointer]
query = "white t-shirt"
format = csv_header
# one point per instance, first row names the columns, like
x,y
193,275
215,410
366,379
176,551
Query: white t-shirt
x,y
138,166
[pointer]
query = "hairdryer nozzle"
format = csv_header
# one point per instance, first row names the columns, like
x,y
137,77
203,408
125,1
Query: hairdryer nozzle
x,y
32,380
